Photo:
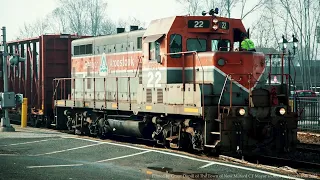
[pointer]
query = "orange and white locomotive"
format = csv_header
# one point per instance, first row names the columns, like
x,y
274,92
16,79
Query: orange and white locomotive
x,y
179,82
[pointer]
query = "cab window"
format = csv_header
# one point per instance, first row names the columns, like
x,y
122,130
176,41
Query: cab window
x,y
196,44
175,45
220,45
154,50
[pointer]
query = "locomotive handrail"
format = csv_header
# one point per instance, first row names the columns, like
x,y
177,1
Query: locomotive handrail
x,y
184,52
94,81
222,91
58,79
55,89
239,63
194,52
282,58
288,76
228,76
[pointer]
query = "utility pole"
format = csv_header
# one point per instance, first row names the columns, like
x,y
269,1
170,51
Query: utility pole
x,y
5,121
8,99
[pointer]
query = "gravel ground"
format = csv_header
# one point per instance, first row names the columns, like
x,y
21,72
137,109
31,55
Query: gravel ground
x,y
311,138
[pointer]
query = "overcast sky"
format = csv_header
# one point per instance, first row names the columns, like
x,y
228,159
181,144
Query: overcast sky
x,y
15,12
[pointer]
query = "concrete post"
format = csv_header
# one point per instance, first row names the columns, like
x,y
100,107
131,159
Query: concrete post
x,y
5,122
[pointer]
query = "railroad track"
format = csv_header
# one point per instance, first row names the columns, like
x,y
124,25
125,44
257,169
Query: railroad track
x,y
301,166
305,147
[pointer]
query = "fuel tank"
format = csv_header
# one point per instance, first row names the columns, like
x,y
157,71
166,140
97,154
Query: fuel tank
x,y
134,128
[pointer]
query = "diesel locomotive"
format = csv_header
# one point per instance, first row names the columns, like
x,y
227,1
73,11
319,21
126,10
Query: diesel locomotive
x,y
180,82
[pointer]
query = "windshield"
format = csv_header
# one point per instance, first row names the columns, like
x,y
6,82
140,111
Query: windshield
x,y
220,45
196,44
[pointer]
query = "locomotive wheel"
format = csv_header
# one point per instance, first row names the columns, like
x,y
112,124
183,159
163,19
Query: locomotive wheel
x,y
102,129
185,142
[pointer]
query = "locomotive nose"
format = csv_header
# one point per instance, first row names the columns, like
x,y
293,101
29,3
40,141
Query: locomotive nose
x,y
246,69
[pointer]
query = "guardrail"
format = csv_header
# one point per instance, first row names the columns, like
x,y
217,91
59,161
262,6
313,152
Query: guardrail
x,y
308,109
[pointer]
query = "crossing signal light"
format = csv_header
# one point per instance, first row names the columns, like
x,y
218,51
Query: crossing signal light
x,y
15,60
19,99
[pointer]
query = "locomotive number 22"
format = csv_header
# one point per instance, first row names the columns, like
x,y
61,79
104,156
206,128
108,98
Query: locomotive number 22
x,y
198,24
154,79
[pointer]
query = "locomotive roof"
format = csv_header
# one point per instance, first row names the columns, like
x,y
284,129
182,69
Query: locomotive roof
x,y
162,26
105,37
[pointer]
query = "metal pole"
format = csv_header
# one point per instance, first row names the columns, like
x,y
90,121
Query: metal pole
x,y
289,65
5,122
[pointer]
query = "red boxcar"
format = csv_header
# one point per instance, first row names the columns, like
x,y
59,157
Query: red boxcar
x,y
47,57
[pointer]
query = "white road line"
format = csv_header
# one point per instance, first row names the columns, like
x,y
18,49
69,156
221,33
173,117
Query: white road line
x,y
207,165
7,154
123,145
120,157
50,166
196,159
54,152
29,142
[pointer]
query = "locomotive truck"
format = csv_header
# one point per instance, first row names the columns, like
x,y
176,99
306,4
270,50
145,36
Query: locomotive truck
x,y
181,83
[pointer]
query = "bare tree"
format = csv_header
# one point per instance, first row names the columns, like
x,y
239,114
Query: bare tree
x,y
303,15
125,23
107,27
256,5
265,30
192,7
261,32
59,20
96,11
85,17
40,26
26,31
75,10
226,6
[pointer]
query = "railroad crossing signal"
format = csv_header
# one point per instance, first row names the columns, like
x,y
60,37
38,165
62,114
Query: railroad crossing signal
x,y
15,59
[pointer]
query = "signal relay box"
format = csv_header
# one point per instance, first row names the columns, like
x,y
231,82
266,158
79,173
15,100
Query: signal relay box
x,y
7,100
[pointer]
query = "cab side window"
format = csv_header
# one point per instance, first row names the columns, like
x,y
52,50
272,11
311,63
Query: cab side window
x,y
175,45
154,50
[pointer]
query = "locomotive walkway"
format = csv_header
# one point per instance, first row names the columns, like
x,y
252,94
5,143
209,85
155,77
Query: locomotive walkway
x,y
32,153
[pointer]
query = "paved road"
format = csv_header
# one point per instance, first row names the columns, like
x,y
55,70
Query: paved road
x,y
43,154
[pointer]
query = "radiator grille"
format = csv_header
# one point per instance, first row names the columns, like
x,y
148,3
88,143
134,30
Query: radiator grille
x,y
149,95
160,95
140,72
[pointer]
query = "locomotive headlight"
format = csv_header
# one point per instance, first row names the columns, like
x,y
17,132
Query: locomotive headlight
x,y
242,111
215,21
215,27
282,111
